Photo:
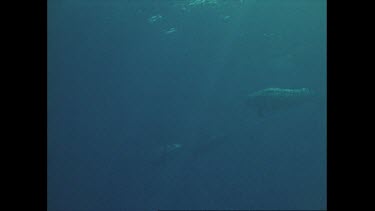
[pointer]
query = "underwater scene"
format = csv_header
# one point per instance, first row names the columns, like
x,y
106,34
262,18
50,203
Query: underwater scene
x,y
186,105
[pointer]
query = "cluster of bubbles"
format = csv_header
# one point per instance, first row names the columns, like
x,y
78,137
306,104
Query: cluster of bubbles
x,y
170,147
202,2
157,18
187,5
154,18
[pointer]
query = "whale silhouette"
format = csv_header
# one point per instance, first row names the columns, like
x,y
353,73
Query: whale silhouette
x,y
276,99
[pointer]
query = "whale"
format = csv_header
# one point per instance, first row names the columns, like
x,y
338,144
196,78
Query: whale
x,y
277,99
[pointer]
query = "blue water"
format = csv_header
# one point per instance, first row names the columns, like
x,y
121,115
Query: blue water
x,y
146,105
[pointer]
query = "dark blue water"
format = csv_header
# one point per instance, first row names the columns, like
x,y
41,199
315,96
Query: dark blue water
x,y
146,115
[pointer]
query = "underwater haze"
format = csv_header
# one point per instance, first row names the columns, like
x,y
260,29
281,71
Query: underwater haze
x,y
148,105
